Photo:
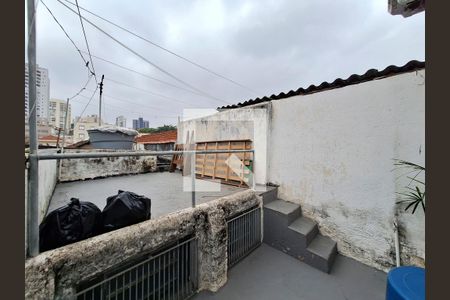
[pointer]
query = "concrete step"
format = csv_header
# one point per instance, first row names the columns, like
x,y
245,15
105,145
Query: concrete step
x,y
287,212
321,253
287,230
278,214
268,193
303,229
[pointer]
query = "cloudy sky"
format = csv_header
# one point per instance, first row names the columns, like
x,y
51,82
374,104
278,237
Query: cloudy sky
x,y
266,46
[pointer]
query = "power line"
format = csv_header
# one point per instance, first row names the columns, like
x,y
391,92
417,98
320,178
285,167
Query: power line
x,y
121,109
83,88
90,99
167,50
130,102
68,36
146,91
145,75
86,40
143,58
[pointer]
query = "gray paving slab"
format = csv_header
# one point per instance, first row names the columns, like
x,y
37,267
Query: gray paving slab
x,y
164,189
270,274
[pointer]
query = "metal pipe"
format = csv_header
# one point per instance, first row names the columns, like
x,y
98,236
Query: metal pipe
x,y
193,179
33,186
397,244
51,156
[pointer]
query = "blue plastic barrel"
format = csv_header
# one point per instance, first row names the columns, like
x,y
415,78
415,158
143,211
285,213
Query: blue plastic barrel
x,y
406,283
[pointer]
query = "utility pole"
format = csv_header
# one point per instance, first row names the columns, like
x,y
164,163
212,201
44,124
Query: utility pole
x,y
64,136
100,103
33,172
65,126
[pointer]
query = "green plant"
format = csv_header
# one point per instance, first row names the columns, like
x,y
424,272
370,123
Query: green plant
x,y
413,196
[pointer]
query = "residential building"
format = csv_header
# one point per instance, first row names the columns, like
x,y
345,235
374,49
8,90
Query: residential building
x,y
81,125
42,93
140,123
121,121
160,141
57,113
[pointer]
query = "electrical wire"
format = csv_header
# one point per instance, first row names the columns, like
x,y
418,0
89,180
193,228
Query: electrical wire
x,y
146,76
86,40
83,88
143,58
130,102
90,99
121,109
68,36
167,50
146,91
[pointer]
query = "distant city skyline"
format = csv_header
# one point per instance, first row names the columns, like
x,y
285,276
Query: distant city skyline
x,y
268,46
140,123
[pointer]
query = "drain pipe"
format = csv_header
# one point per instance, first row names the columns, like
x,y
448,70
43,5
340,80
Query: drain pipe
x,y
397,244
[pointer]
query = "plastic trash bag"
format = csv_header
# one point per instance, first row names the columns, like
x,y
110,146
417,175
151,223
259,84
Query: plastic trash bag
x,y
124,209
71,223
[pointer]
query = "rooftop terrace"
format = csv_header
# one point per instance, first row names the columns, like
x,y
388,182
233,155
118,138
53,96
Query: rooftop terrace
x,y
271,274
164,189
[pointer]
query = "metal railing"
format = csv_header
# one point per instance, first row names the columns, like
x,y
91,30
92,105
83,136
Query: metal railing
x,y
244,234
34,157
170,274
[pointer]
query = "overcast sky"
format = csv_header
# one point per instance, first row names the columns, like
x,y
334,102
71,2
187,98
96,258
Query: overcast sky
x,y
267,46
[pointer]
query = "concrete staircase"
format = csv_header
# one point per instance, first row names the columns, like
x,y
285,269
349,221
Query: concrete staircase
x,y
287,230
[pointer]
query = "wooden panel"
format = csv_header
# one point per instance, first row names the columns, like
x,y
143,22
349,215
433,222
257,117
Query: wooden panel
x,y
214,165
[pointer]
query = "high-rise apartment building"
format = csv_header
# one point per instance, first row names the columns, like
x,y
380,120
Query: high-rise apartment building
x,y
140,123
42,93
57,113
121,121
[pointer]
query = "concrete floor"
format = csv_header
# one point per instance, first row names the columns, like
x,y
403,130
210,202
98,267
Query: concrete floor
x,y
164,189
270,274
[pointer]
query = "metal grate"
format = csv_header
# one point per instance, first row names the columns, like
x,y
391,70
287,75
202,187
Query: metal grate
x,y
244,234
170,274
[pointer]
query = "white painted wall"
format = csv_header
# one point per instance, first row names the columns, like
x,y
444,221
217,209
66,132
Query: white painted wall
x,y
332,152
48,177
236,124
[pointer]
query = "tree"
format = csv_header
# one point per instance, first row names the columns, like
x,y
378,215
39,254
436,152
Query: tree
x,y
158,129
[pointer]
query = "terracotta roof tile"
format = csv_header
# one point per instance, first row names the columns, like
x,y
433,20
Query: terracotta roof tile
x,y
48,138
158,138
371,74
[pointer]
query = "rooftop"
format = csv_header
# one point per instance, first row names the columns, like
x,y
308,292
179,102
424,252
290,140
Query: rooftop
x,y
371,74
163,137
267,273
164,189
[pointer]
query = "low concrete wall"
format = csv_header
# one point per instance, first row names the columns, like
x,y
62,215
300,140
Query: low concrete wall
x,y
55,274
48,178
89,168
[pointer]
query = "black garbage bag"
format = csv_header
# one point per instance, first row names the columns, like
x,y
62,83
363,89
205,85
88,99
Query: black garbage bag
x,y
71,223
124,209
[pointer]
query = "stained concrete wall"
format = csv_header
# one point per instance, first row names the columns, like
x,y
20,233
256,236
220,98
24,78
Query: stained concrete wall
x,y
332,152
89,168
238,124
55,274
48,177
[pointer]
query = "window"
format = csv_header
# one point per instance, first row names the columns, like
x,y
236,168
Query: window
x,y
81,127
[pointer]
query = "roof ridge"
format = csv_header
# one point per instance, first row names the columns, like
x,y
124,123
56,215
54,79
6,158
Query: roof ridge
x,y
369,75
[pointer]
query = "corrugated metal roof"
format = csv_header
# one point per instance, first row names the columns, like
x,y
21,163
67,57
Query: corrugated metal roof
x,y
371,74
